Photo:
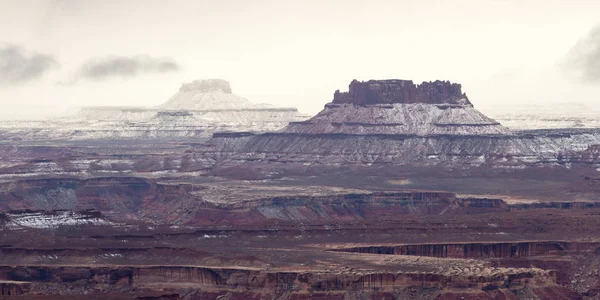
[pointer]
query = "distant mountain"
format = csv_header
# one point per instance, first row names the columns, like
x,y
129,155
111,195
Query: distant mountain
x,y
209,94
196,111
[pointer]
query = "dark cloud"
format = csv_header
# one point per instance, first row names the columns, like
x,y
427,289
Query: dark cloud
x,y
121,66
583,60
17,66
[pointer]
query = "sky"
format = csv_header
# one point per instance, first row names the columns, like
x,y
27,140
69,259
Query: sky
x,y
59,54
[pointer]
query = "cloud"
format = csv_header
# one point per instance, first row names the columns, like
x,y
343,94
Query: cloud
x,y
583,60
122,66
17,66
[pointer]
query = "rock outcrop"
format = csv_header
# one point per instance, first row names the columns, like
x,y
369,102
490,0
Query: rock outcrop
x,y
481,250
260,284
401,91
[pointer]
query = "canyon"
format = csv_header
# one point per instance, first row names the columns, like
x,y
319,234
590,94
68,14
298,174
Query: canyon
x,y
395,190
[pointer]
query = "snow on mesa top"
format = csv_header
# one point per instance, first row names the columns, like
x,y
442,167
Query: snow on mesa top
x,y
400,107
209,94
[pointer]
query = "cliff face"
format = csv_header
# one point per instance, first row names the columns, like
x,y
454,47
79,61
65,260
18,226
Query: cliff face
x,y
130,198
401,91
481,250
261,284
120,197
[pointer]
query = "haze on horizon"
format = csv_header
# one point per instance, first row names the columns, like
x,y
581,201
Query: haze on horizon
x,y
57,54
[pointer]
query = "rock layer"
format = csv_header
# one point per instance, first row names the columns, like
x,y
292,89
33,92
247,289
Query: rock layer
x,y
401,91
260,284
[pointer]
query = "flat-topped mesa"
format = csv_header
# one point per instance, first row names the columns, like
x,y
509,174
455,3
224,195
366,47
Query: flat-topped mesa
x,y
207,85
401,91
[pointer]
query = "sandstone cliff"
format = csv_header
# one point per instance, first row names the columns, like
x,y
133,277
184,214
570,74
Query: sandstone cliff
x,y
401,91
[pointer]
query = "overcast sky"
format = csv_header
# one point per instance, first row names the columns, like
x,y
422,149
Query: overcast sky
x,y
56,54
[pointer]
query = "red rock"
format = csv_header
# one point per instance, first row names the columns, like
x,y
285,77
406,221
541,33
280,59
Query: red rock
x,y
401,91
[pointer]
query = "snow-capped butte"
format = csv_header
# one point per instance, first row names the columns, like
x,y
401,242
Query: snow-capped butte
x,y
197,110
413,119
209,94
400,107
398,122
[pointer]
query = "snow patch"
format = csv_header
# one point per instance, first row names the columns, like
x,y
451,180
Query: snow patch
x,y
41,220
